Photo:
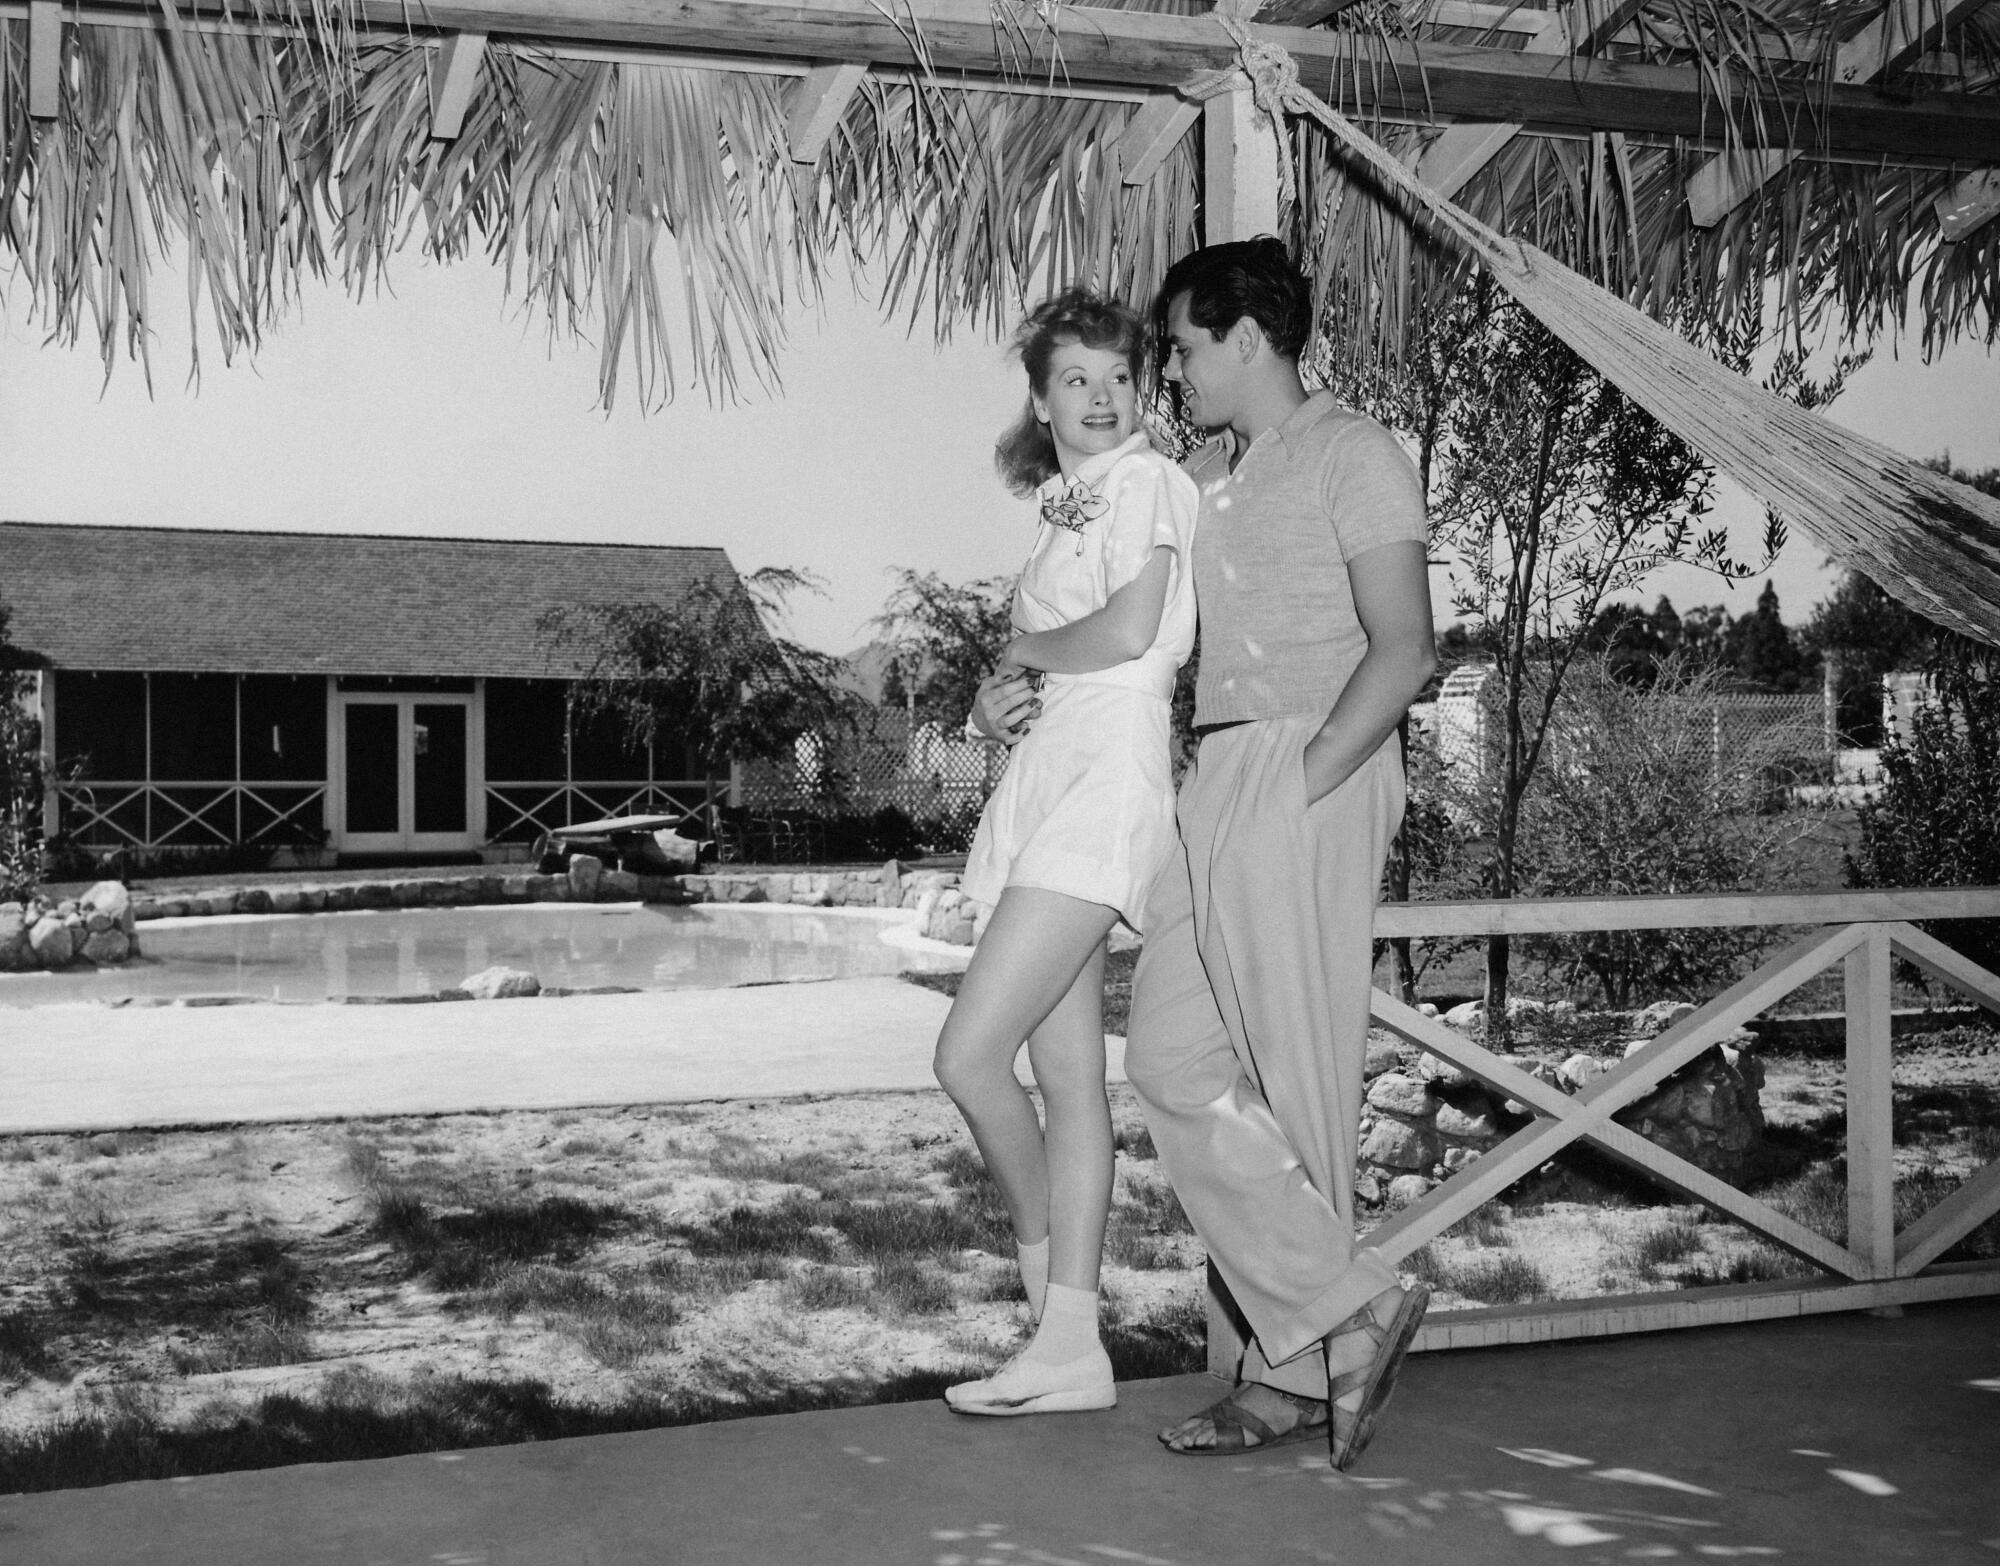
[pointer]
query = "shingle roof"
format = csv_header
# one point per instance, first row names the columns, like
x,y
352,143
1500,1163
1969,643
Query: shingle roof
x,y
313,603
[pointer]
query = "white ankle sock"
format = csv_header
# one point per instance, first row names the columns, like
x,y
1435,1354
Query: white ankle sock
x,y
1068,1330
1034,1272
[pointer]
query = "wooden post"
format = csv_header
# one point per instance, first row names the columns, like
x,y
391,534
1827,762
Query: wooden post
x,y
1239,169
454,75
44,59
1871,1168
45,697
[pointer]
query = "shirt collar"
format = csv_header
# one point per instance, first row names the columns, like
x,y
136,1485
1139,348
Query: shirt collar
x,y
1290,434
1095,466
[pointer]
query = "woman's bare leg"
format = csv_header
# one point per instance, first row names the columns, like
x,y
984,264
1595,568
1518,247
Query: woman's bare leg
x,y
1067,1053
1029,960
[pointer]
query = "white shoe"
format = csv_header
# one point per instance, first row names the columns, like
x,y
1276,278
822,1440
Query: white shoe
x,y
1027,1386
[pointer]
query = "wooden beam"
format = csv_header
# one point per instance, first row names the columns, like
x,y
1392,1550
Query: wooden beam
x,y
1970,204
1153,133
1239,197
1949,1221
819,102
1871,1145
1086,46
1561,915
1896,36
454,74
1610,1315
1450,162
1300,13
44,59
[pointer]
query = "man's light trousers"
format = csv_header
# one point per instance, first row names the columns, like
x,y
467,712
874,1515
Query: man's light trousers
x,y
1249,1029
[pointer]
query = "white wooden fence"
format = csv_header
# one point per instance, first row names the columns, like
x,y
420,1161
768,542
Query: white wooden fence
x,y
1878,1266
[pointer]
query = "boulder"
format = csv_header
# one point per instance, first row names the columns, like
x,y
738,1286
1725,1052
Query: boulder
x,y
213,904
1466,1016
16,954
619,885
514,888
679,853
107,946
1456,1158
1465,1125
287,900
1382,1056
1408,1188
109,898
94,921
253,900
407,894
501,983
54,942
1425,1008
1660,1016
1367,1187
1395,1144
1400,1095
891,884
1434,1068
1580,1070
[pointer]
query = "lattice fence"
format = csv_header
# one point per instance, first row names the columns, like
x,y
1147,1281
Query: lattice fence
x,y
925,770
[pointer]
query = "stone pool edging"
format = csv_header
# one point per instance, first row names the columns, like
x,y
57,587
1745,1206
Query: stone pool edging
x,y
943,913
94,930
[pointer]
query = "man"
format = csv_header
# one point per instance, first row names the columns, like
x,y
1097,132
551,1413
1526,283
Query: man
x,y
1249,1017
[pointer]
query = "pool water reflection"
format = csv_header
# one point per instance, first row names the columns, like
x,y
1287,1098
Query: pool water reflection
x,y
316,957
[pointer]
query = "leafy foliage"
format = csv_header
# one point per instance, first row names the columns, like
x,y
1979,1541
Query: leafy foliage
x,y
1935,821
946,638
1550,494
23,854
1635,804
706,668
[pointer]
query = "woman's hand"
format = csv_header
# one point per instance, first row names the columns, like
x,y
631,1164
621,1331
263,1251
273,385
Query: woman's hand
x,y
1006,706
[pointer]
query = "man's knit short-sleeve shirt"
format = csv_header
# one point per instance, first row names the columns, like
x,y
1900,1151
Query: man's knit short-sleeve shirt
x,y
1279,635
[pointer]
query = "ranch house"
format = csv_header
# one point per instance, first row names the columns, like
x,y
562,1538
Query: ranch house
x,y
320,694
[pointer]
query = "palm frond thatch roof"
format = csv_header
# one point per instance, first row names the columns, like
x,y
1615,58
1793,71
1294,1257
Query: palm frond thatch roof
x,y
644,179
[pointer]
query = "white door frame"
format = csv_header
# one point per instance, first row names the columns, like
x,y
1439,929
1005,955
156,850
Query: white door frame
x,y
405,839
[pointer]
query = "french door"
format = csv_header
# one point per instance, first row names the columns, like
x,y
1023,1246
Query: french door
x,y
403,759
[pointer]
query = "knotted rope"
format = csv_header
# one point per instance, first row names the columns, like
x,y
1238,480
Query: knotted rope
x,y
1917,534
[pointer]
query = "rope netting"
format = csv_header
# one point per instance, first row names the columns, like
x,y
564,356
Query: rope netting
x,y
1922,537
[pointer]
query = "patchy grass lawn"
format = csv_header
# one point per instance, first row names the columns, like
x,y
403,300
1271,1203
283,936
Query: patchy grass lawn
x,y
187,1302
191,1301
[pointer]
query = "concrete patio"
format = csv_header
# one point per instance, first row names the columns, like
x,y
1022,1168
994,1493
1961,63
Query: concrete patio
x,y
1832,1440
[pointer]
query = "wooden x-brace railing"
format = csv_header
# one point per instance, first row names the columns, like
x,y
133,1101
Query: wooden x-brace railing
x,y
1866,931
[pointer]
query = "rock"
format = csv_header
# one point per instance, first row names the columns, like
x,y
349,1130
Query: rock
x,y
1456,1158
1382,1056
253,900
54,942
1464,1125
501,983
1520,1006
1467,1015
514,888
16,954
1405,1189
213,904
585,871
548,888
1367,1188
680,853
107,946
1434,1068
95,922
286,900
891,893
619,886
1660,1016
1427,1009
109,898
1394,1144
1580,1070
373,894
406,894
1401,1095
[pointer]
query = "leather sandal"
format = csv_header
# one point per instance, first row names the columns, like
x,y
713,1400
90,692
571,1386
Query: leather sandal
x,y
1232,1422
1349,1430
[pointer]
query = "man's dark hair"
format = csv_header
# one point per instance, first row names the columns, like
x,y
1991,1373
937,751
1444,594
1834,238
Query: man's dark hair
x,y
1253,277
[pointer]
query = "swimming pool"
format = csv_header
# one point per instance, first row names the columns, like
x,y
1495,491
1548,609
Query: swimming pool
x,y
419,951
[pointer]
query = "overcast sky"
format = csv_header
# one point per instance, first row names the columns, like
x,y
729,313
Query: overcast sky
x,y
440,409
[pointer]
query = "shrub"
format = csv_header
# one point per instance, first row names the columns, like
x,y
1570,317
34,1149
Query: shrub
x,y
1935,820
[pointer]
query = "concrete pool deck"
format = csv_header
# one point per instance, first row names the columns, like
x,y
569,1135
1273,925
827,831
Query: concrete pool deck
x,y
1834,1441
89,1068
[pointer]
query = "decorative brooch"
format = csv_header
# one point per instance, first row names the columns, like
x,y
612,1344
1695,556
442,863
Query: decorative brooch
x,y
1073,507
